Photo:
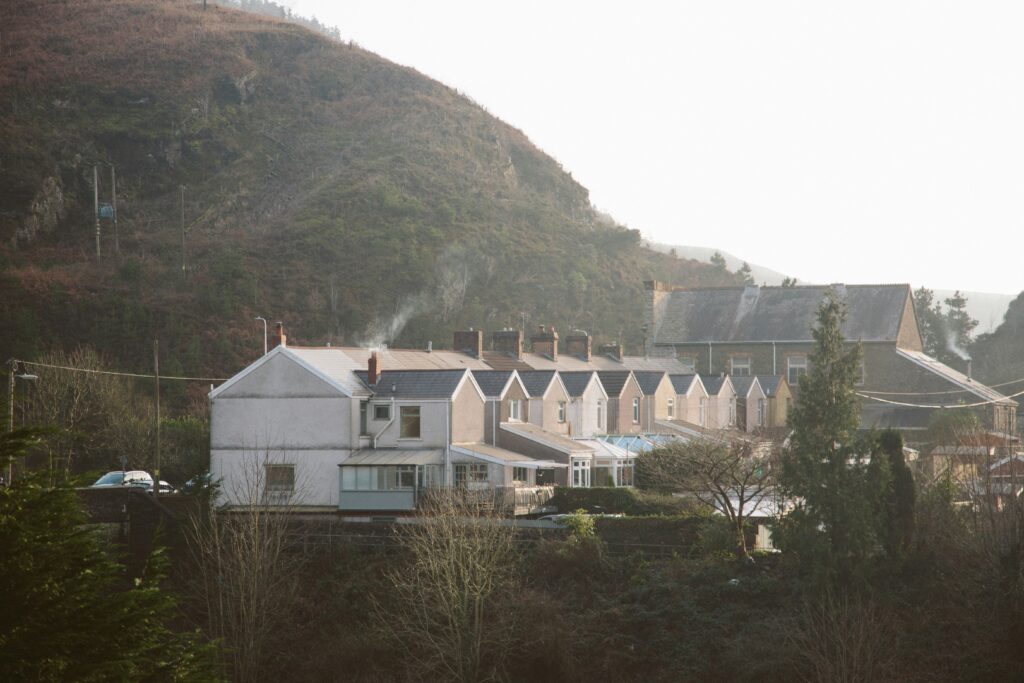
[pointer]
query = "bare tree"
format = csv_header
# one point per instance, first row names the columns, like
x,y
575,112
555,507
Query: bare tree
x,y
445,612
246,573
844,640
732,478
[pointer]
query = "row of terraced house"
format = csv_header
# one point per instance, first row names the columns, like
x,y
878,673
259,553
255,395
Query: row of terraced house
x,y
370,431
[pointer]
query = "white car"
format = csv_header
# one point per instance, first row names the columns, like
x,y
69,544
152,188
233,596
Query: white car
x,y
120,478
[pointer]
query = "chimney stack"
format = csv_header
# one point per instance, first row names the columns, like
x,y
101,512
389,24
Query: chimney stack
x,y
373,369
509,342
545,342
471,341
580,344
614,349
279,338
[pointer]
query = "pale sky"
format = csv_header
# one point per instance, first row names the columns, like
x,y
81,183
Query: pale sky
x,y
853,142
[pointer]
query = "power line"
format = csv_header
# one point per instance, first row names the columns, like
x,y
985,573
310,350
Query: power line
x,y
121,374
949,405
936,393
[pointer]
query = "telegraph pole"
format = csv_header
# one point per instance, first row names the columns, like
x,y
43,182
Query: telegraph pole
x,y
96,204
156,374
10,414
183,231
113,203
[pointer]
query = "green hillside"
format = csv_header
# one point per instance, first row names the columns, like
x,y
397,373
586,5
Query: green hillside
x,y
325,186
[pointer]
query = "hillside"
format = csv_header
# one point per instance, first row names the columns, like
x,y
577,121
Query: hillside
x,y
999,355
354,199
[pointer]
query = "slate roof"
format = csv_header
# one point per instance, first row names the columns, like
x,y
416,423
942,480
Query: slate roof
x,y
682,382
536,381
769,383
492,382
713,383
416,383
753,314
613,381
743,383
954,377
576,382
331,363
648,380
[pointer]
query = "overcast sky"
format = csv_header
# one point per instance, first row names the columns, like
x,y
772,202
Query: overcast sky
x,y
862,142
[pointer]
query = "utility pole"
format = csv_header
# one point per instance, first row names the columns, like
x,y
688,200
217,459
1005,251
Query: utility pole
x,y
183,231
96,205
156,374
113,203
12,364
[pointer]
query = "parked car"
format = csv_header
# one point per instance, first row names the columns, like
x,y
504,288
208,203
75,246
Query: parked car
x,y
165,488
120,478
198,483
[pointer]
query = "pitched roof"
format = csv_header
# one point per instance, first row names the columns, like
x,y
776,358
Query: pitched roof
x,y
713,383
744,383
416,383
414,359
955,378
613,381
537,381
576,382
753,314
769,383
492,382
682,382
333,364
649,380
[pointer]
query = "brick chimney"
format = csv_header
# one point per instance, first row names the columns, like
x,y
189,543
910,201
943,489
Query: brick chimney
x,y
614,349
279,338
471,341
373,369
509,342
545,342
579,344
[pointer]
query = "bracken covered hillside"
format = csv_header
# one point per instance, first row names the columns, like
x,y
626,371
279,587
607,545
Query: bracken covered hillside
x,y
324,186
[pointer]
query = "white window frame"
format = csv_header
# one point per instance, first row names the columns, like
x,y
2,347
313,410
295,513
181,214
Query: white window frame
x,y
671,408
378,414
797,363
521,475
561,412
471,473
702,414
580,474
636,411
741,365
401,422
601,426
515,410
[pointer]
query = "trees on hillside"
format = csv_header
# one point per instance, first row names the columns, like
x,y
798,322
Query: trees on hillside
x,y
69,613
947,332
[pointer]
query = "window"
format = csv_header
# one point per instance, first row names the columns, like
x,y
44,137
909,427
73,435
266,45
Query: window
x,y
795,367
381,478
581,473
636,411
363,431
689,364
470,472
521,474
561,411
624,472
382,411
280,478
702,415
671,408
515,410
739,366
410,422
600,416
732,411
760,412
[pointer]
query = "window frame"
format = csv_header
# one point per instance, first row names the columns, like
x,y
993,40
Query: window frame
x,y
636,410
745,368
521,475
515,410
406,420
270,487
377,413
800,368
562,412
671,408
